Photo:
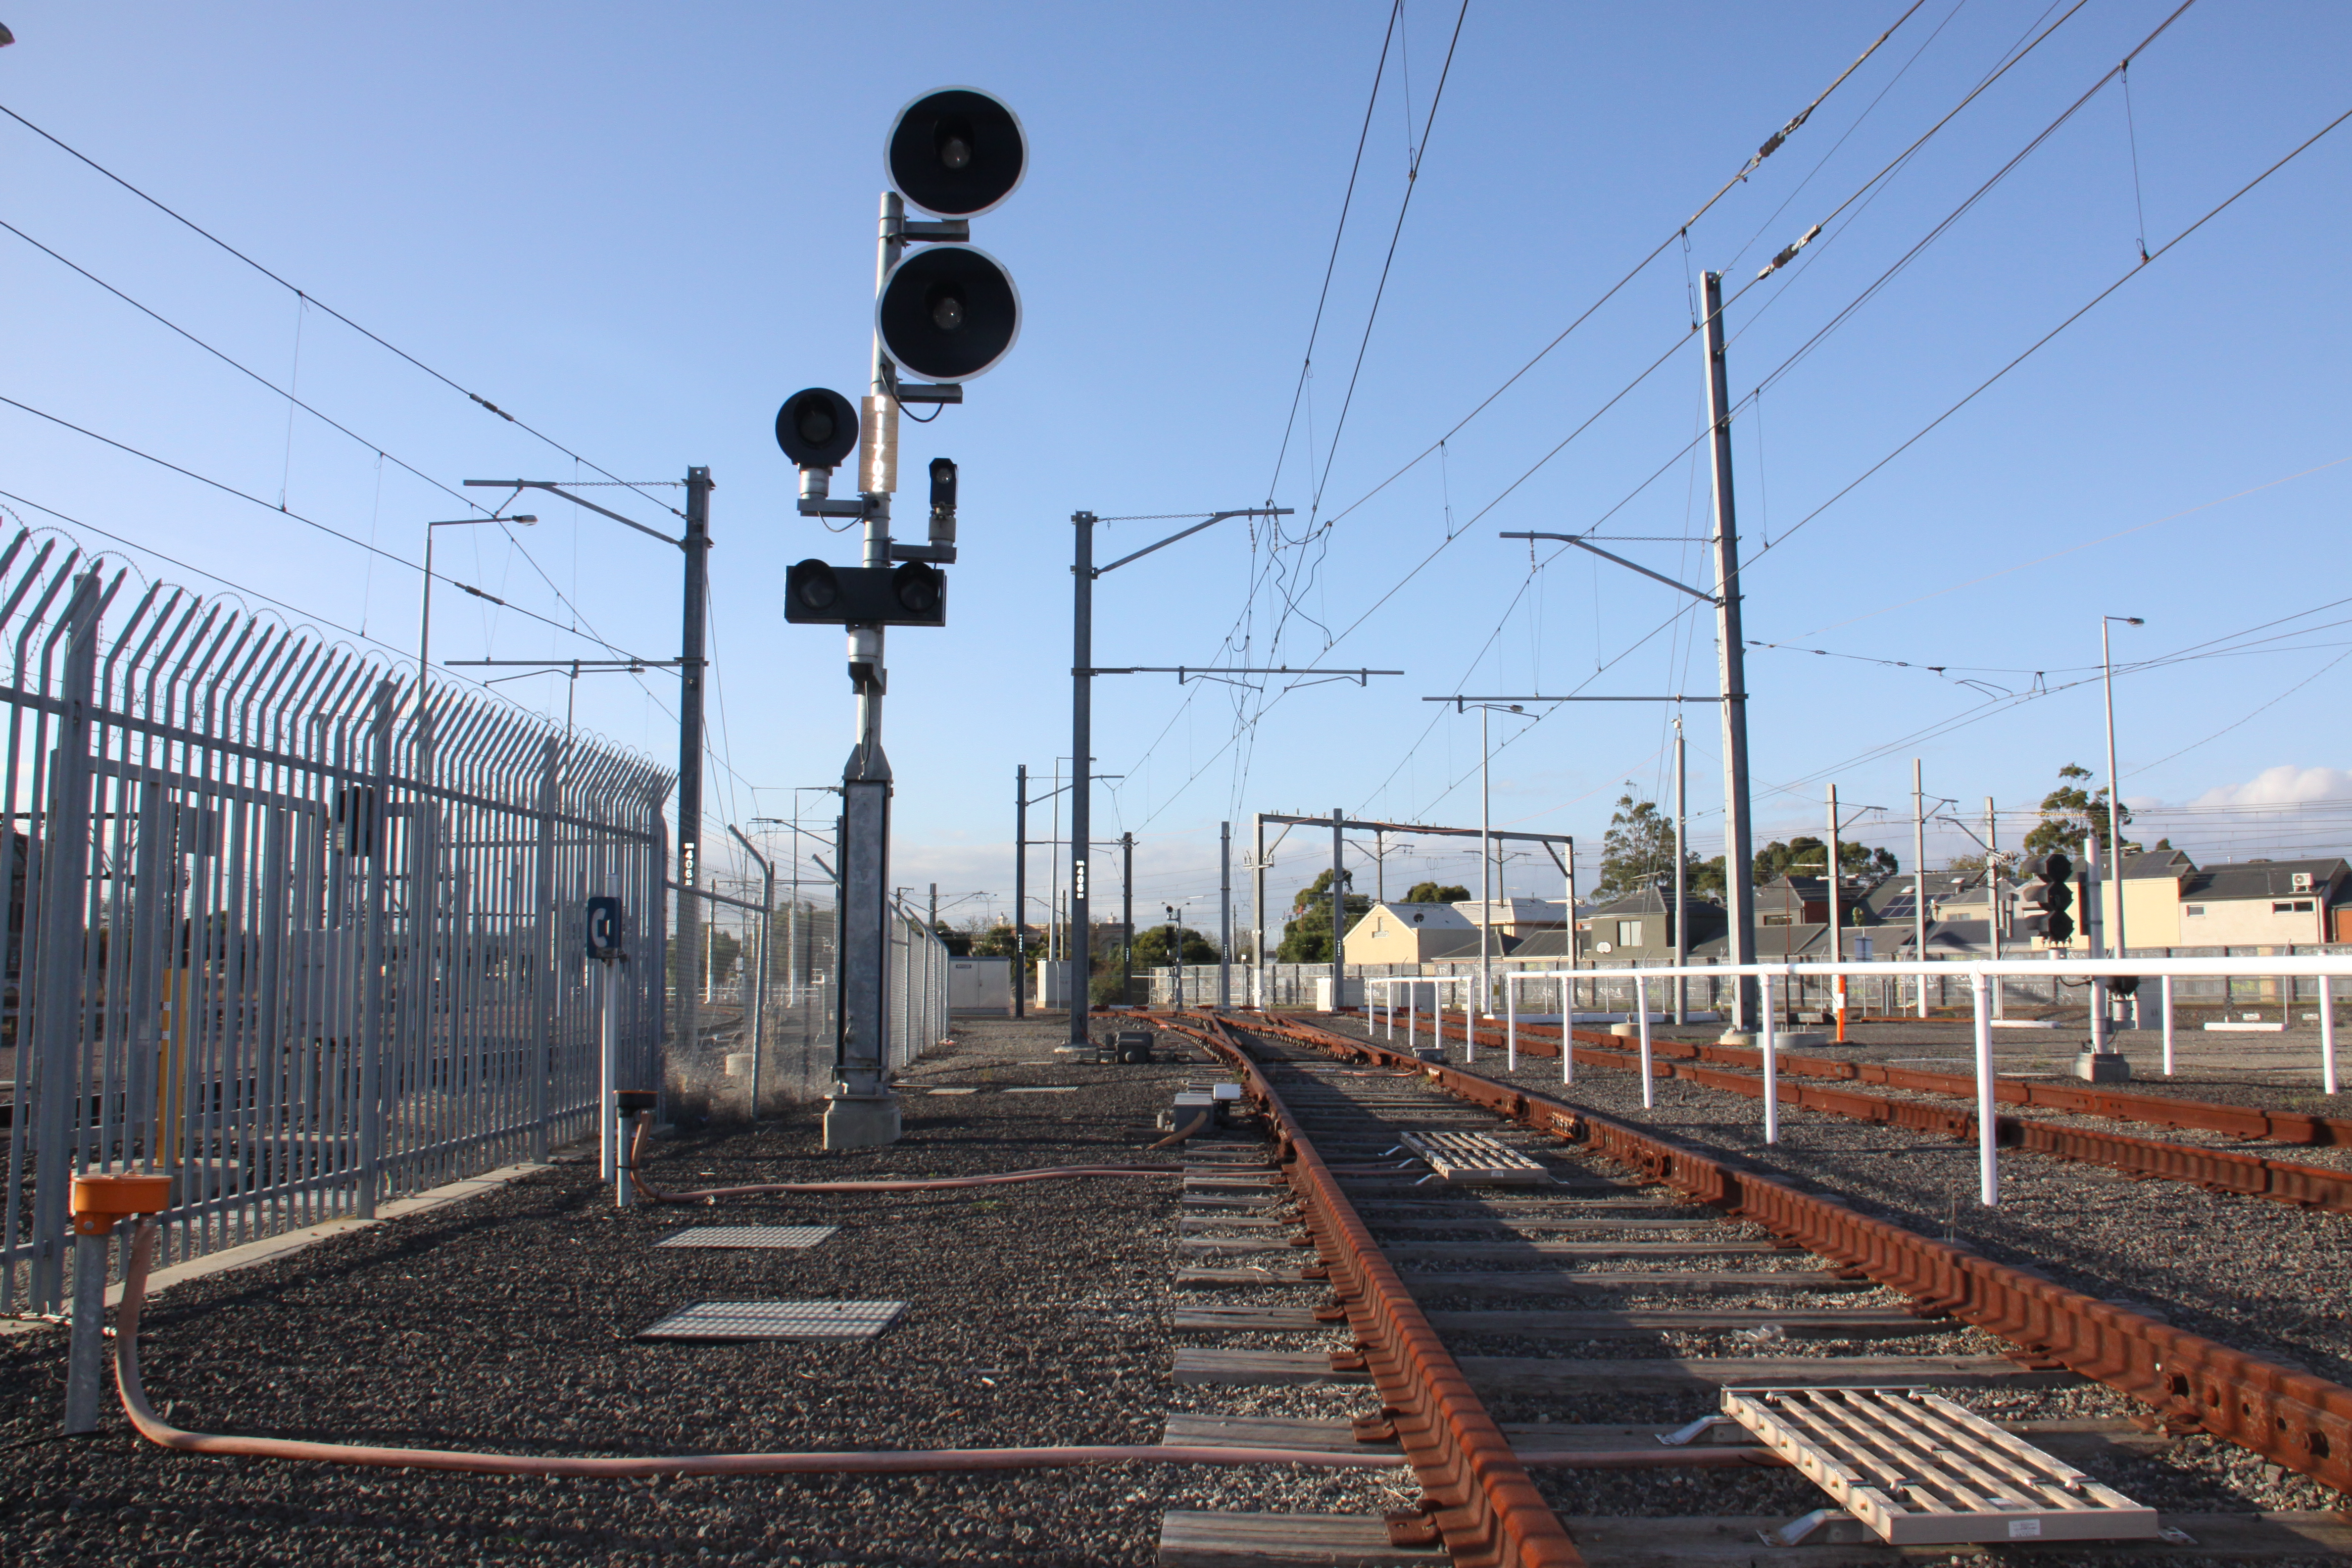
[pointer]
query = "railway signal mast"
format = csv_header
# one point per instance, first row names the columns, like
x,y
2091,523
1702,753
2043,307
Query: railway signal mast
x,y
943,313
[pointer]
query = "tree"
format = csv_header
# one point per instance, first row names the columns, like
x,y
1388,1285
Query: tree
x,y
1432,893
2071,814
1638,851
1307,940
1805,856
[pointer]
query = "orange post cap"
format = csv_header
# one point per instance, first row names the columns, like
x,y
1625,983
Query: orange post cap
x,y
101,1198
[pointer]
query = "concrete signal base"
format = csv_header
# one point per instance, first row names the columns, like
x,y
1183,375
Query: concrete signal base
x,y
861,1121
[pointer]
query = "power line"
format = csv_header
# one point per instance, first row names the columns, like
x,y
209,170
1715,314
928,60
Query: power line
x,y
306,521
312,300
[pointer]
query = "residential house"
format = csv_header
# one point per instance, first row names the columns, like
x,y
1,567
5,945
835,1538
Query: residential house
x,y
2152,883
1637,928
1400,932
1514,918
2259,903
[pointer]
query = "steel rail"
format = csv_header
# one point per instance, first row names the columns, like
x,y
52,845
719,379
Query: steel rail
x,y
1476,1496
2216,1170
2289,1416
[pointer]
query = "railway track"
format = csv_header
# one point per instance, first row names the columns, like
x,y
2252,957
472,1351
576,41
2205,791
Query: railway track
x,y
1573,1263
1737,1069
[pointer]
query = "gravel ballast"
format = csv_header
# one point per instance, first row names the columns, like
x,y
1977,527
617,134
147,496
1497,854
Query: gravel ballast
x,y
1036,1316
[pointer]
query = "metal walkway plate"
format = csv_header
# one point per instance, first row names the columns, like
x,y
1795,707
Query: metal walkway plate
x,y
748,1236
1044,1088
1475,1157
1918,1469
777,1320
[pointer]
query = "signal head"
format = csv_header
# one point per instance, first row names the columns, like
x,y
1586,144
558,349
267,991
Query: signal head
x,y
811,588
921,592
947,312
817,428
958,153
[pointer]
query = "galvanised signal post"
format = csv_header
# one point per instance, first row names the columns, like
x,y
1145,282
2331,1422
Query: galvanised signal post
x,y
944,314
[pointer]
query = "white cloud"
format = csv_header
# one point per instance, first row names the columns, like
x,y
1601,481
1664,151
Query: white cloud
x,y
2285,784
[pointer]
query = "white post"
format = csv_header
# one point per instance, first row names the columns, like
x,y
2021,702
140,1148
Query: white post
x,y
610,1051
1412,1018
1641,1003
2326,1035
1568,1029
1987,1129
1771,1042
1511,1023
606,1134
2166,982
1470,1022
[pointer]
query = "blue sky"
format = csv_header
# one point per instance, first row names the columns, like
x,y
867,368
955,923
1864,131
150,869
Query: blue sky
x,y
638,230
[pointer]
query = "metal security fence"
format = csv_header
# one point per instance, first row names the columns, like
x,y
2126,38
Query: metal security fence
x,y
279,935
1881,985
784,1028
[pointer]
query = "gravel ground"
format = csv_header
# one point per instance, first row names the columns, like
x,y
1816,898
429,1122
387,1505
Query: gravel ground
x,y
2252,1274
1037,1315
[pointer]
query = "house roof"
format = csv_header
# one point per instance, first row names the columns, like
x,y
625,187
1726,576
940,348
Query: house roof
x,y
2159,863
1428,917
1513,912
1641,902
2262,879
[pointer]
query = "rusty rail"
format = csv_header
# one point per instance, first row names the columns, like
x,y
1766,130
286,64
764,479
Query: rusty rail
x,y
2216,1170
2288,1416
1476,1496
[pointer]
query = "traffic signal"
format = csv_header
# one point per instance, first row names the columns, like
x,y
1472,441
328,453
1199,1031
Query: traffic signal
x,y
2054,896
947,312
956,152
817,428
912,594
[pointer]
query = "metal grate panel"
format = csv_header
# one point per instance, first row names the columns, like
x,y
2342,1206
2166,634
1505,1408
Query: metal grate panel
x,y
1919,1470
748,1236
1475,1157
777,1320
1044,1088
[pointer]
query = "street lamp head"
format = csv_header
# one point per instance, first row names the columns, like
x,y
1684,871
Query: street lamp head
x,y
2134,620
526,518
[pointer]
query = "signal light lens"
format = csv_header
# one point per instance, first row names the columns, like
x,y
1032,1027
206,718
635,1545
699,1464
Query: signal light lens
x,y
955,144
917,588
815,423
947,309
815,586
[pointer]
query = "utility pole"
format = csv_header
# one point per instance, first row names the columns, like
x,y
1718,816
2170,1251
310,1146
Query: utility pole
x,y
1682,886
1127,919
1020,885
1224,915
1919,881
1730,652
690,671
1082,717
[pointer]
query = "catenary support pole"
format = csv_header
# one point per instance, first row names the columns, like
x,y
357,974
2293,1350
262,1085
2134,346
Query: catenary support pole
x,y
1918,884
1996,911
691,671
1731,668
1987,1123
1259,975
1836,954
1486,876
1339,912
1224,915
1682,891
1021,889
1078,949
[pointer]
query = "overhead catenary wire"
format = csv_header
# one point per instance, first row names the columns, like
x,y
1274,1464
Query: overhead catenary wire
x,y
313,300
306,521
